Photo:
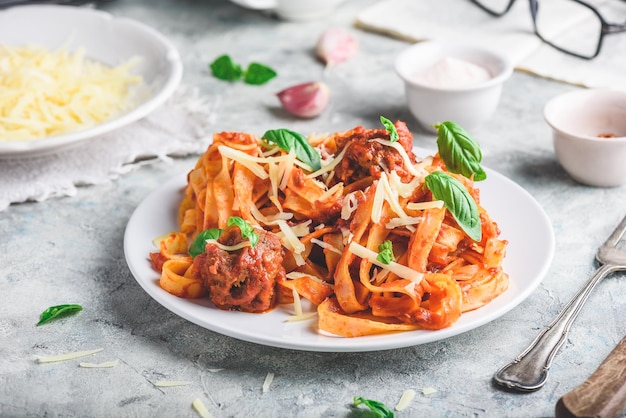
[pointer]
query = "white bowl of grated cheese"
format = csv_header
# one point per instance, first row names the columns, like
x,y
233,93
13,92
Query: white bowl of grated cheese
x,y
451,81
69,74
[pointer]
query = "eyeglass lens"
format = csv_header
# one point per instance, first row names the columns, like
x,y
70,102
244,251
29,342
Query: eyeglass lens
x,y
583,37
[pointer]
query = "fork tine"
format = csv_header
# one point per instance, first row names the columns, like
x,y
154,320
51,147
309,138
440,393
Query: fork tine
x,y
617,235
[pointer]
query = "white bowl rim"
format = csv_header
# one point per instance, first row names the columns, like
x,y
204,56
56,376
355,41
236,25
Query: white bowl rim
x,y
37,147
507,67
548,109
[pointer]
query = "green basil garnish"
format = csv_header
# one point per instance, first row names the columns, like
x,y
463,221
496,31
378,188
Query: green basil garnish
x,y
457,200
58,311
459,151
246,230
391,128
199,244
225,69
379,409
385,253
258,74
288,140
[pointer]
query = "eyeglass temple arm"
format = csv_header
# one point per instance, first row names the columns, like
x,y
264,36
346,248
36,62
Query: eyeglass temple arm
x,y
614,28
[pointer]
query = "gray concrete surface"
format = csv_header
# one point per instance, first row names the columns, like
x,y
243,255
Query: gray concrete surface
x,y
70,250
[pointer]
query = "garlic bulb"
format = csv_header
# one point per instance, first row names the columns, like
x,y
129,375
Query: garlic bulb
x,y
336,45
306,100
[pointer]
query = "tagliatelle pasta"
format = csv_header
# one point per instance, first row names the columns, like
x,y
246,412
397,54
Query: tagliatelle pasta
x,y
361,236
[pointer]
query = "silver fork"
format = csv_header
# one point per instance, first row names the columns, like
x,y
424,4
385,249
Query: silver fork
x,y
529,371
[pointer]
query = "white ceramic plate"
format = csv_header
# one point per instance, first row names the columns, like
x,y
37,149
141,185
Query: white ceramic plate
x,y
105,38
256,4
522,222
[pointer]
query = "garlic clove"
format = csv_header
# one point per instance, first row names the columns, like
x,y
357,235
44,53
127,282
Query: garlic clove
x,y
336,45
306,100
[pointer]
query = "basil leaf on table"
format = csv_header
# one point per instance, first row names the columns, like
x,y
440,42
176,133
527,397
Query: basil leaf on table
x,y
458,201
391,128
288,140
247,231
199,243
225,69
58,311
459,151
258,74
378,408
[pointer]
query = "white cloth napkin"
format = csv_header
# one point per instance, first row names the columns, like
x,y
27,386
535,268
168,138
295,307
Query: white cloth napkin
x,y
512,35
177,128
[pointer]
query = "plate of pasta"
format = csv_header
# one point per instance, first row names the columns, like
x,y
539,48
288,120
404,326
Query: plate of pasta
x,y
353,241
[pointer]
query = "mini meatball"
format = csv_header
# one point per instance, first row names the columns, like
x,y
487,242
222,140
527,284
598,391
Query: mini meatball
x,y
244,279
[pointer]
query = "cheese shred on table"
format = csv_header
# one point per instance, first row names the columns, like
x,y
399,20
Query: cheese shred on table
x,y
48,93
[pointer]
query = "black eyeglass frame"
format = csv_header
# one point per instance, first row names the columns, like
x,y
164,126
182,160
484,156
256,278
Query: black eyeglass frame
x,y
606,29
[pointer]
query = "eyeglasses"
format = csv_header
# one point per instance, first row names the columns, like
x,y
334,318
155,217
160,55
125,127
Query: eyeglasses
x,y
590,26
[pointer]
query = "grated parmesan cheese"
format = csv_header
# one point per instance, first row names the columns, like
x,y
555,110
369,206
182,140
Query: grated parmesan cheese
x,y
47,93
68,356
199,407
396,268
425,205
429,391
248,161
303,317
405,157
330,166
397,222
291,241
297,275
326,245
171,383
269,378
105,365
349,205
330,191
405,399
404,189
297,303
384,192
235,247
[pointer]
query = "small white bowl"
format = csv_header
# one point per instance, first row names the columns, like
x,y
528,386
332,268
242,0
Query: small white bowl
x,y
470,104
106,39
294,10
579,119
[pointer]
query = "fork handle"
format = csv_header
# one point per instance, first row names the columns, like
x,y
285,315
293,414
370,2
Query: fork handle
x,y
529,371
603,394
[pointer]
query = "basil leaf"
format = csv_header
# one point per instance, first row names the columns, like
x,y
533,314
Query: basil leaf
x,y
58,311
458,201
258,74
385,253
199,244
288,140
246,230
225,69
378,408
391,128
459,151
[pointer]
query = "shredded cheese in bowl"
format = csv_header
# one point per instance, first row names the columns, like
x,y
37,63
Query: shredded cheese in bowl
x,y
47,93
